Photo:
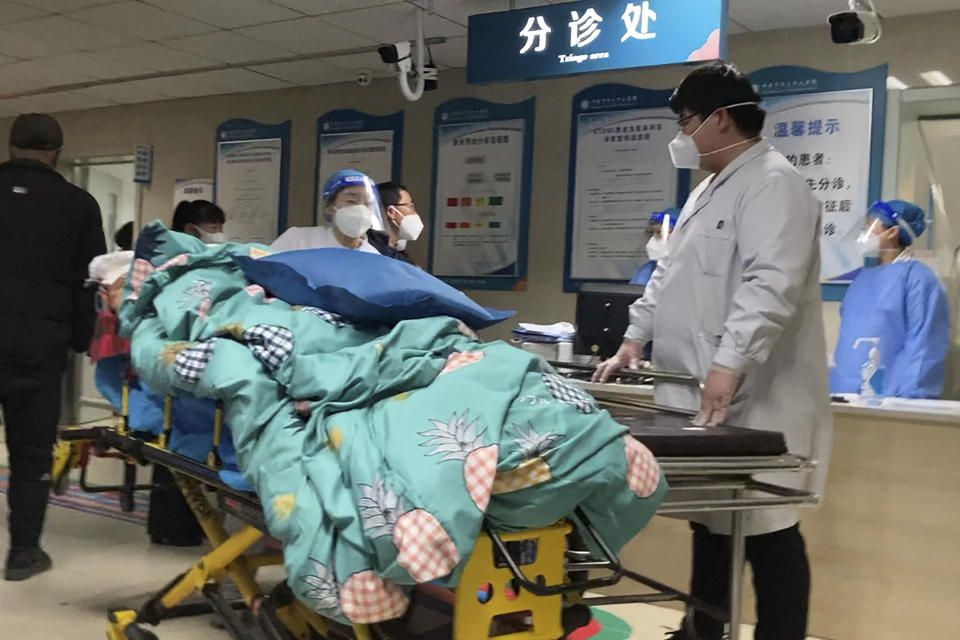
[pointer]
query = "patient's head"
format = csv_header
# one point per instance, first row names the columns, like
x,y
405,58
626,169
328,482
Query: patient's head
x,y
111,295
109,273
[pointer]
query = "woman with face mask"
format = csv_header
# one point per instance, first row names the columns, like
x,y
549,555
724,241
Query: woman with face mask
x,y
350,208
661,224
900,302
201,219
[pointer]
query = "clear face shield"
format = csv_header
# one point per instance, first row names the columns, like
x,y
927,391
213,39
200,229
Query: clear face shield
x,y
658,236
353,207
879,239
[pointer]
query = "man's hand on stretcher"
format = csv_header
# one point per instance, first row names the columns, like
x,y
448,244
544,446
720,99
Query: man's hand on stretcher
x,y
627,356
718,388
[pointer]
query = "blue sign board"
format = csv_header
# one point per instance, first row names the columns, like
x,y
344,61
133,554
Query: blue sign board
x,y
265,145
635,125
482,170
830,126
593,35
351,139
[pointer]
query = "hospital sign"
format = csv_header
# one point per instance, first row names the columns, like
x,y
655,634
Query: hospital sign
x,y
593,35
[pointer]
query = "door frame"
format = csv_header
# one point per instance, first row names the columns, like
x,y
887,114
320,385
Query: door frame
x,y
76,170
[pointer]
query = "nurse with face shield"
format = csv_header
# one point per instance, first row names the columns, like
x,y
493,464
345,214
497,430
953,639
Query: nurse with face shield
x,y
659,229
894,317
350,209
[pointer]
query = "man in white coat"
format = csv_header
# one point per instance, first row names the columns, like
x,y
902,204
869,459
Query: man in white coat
x,y
737,304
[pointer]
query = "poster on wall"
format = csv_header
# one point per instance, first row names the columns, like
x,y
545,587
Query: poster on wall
x,y
620,173
830,127
349,139
192,189
250,183
482,164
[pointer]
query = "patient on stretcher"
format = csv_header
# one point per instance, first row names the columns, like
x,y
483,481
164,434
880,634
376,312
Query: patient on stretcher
x,y
170,520
378,449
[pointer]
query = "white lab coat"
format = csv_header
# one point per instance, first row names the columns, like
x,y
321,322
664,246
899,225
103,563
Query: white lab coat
x,y
296,238
741,289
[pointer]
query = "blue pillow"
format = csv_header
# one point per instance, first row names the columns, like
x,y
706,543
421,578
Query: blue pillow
x,y
363,286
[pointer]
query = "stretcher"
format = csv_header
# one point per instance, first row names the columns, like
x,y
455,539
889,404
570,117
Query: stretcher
x,y
709,470
528,585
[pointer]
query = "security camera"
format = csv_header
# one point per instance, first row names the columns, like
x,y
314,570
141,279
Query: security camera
x,y
364,77
860,25
398,54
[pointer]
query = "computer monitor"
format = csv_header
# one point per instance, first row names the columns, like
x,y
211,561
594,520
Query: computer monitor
x,y
603,316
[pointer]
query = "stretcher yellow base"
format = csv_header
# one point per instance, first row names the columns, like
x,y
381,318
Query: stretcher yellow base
x,y
473,617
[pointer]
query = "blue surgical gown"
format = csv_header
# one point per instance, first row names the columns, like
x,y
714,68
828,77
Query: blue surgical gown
x,y
904,305
644,273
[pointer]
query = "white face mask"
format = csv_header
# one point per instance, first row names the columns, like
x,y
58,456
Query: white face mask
x,y
868,244
683,150
410,227
212,238
657,248
354,220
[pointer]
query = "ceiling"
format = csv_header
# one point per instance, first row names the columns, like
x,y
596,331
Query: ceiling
x,y
126,51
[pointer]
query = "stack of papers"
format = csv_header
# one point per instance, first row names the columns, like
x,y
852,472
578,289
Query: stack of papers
x,y
548,333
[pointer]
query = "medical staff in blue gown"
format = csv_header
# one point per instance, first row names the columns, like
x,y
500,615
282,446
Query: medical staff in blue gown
x,y
901,302
660,226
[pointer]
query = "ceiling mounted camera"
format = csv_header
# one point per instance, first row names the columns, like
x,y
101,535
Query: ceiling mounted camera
x,y
860,25
409,61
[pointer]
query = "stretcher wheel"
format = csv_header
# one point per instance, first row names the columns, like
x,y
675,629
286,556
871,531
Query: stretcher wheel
x,y
136,632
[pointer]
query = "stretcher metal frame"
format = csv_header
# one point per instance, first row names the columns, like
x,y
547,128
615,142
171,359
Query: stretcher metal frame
x,y
696,475
281,616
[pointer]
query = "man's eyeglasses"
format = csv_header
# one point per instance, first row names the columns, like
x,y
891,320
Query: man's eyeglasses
x,y
682,122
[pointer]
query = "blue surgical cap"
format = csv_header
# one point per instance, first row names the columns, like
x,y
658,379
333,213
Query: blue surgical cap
x,y
670,215
899,213
344,178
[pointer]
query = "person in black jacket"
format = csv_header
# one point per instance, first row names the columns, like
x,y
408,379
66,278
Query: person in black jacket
x,y
403,222
51,230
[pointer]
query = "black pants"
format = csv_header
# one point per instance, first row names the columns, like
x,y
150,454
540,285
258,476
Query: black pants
x,y
170,520
781,581
31,411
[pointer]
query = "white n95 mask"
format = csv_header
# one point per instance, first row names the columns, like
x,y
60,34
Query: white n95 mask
x,y
354,220
410,227
683,150
212,238
657,248
868,244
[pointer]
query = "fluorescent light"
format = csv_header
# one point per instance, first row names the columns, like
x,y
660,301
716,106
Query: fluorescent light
x,y
937,78
893,82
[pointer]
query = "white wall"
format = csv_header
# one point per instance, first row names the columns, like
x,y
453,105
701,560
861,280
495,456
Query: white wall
x,y
182,132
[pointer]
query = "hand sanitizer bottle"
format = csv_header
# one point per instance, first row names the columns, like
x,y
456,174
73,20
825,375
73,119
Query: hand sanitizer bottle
x,y
871,372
